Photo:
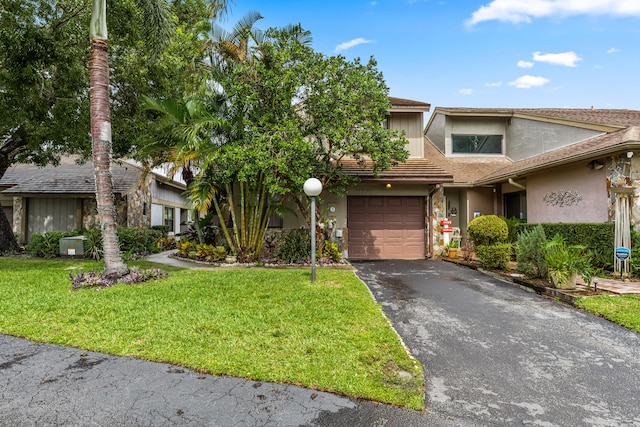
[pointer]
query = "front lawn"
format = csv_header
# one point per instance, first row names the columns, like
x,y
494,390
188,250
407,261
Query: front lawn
x,y
621,309
260,324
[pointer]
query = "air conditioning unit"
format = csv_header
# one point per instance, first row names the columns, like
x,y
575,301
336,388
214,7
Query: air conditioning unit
x,y
72,246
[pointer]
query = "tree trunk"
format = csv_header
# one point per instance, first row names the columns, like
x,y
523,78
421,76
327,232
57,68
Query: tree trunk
x,y
101,146
8,152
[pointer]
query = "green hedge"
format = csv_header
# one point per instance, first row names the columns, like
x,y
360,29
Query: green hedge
x,y
597,237
131,241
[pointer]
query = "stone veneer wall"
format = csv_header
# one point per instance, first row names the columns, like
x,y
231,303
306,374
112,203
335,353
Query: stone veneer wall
x,y
136,215
90,212
18,213
439,213
624,172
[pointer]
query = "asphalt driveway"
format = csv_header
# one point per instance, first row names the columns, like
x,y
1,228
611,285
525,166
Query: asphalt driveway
x,y
495,354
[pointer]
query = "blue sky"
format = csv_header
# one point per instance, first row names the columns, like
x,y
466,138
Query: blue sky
x,y
469,53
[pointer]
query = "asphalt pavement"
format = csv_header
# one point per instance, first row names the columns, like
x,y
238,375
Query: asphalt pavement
x,y
495,354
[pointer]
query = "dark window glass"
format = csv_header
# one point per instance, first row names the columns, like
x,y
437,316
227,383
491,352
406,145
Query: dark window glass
x,y
477,144
168,218
515,205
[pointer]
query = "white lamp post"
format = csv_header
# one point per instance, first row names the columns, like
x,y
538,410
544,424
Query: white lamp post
x,y
313,188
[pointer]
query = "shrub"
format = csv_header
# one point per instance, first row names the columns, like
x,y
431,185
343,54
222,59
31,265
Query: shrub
x,y
294,245
597,237
47,244
330,250
512,227
494,257
138,240
206,252
93,244
565,261
164,229
185,246
531,253
166,243
488,230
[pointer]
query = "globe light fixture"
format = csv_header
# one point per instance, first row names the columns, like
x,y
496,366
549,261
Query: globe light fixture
x,y
313,188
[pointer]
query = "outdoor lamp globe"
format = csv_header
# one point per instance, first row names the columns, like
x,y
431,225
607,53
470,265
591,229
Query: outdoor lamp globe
x,y
312,187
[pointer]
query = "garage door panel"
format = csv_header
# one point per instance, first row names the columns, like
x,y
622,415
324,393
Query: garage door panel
x,y
386,227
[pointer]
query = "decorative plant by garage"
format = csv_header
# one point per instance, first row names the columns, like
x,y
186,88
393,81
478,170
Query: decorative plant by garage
x,y
566,262
489,234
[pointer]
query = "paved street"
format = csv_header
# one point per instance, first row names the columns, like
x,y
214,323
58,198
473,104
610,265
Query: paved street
x,y
494,354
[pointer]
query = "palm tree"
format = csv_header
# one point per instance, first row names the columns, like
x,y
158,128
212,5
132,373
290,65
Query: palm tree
x,y
158,23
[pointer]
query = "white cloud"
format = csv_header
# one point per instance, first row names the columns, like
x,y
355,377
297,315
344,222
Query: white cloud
x,y
613,50
525,64
568,59
465,91
527,82
351,43
494,84
517,11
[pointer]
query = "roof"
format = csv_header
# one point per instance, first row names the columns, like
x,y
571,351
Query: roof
x,y
68,177
465,170
416,171
607,120
407,105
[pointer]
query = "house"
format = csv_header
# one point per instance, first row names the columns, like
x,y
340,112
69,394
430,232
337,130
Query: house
x,y
387,217
539,165
62,198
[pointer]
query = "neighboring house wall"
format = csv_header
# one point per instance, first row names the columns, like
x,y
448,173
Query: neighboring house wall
x,y
567,194
411,124
528,138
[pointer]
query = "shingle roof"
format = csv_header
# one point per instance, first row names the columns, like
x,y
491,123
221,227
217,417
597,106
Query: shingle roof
x,y
610,117
412,171
66,178
408,104
465,170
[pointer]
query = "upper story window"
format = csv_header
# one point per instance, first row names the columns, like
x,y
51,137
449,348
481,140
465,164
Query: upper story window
x,y
476,144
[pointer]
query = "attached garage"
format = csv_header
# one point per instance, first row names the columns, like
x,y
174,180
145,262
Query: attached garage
x,y
386,227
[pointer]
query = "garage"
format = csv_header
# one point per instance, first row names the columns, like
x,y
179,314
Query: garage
x,y
386,227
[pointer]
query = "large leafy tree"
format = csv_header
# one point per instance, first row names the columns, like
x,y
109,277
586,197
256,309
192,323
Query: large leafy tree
x,y
44,97
295,113
44,75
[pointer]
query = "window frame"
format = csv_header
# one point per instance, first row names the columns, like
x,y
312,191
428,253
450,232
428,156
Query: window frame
x,y
476,153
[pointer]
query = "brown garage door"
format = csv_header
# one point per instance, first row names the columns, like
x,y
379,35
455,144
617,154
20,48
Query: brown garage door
x,y
386,227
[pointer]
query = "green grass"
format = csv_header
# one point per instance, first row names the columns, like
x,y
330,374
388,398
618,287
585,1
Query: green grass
x,y
260,324
621,309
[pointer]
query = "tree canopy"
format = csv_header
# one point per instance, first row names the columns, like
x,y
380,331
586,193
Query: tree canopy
x,y
288,113
44,76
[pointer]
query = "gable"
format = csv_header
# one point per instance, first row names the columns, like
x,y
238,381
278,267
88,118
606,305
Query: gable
x,y
527,138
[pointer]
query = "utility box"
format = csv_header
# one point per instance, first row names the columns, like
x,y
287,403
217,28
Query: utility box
x,y
72,245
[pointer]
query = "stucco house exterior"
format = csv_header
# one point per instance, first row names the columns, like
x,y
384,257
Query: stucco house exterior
x,y
62,198
539,165
388,217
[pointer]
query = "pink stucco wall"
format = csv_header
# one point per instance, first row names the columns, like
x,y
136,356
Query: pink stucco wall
x,y
568,194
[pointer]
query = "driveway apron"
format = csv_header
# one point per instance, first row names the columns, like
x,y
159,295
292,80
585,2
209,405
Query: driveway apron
x,y
495,354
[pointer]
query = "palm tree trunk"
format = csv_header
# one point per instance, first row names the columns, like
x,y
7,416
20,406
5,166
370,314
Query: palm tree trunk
x,y
101,146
